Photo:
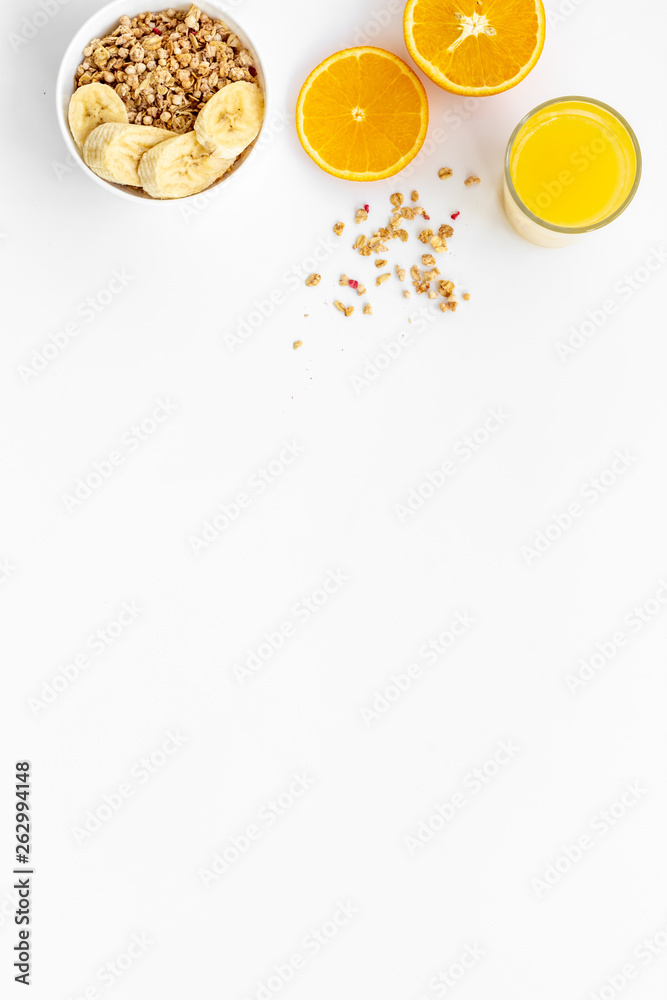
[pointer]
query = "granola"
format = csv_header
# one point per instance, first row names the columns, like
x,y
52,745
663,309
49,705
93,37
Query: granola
x,y
166,66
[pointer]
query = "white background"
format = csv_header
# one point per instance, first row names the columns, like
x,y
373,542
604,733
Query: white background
x,y
196,277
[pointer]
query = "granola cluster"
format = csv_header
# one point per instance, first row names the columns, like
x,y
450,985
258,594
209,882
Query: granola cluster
x,y
425,275
166,66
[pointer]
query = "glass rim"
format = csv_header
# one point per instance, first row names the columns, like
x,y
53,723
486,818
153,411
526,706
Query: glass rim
x,y
573,230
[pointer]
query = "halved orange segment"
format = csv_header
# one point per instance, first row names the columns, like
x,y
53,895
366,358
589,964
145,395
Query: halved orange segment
x,y
475,47
362,114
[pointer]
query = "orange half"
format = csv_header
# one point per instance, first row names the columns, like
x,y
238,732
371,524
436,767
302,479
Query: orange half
x,y
362,114
475,47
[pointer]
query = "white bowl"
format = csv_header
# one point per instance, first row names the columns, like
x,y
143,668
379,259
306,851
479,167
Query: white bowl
x,y
99,25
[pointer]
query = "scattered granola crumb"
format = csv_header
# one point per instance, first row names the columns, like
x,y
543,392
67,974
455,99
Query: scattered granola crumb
x,y
380,263
400,272
438,244
368,309
338,228
429,276
343,280
446,288
455,216
407,294
381,278
425,235
297,344
403,235
339,306
445,232
415,196
432,294
361,290
445,172
397,200
360,242
467,296
313,279
472,180
349,310
361,216
415,273
428,260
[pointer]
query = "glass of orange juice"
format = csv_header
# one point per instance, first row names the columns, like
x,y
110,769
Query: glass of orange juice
x,y
572,165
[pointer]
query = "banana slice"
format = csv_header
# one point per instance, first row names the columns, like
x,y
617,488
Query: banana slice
x,y
113,150
231,119
180,167
92,105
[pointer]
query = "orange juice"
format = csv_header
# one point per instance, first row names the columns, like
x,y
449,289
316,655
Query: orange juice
x,y
572,165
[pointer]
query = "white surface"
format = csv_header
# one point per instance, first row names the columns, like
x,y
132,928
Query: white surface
x,y
194,279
